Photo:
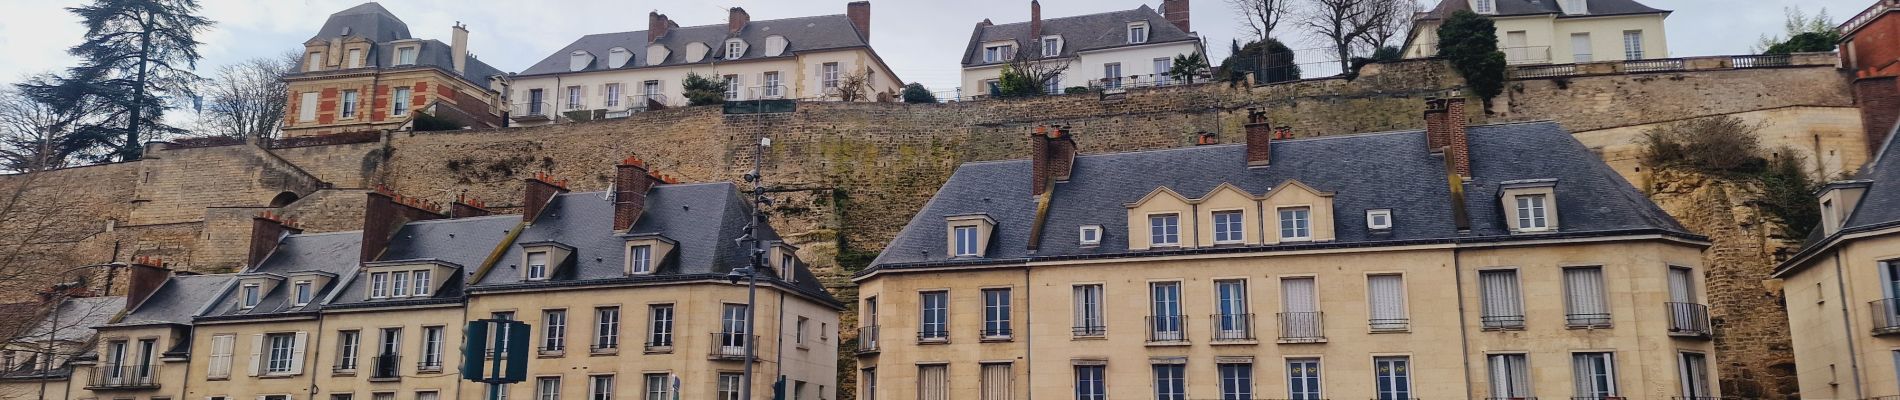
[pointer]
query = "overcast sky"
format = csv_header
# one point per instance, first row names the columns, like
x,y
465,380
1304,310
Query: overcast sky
x,y
921,39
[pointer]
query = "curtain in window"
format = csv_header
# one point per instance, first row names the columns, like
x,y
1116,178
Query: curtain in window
x,y
933,382
1583,290
1592,374
1502,307
998,383
1387,294
1681,285
1695,376
1088,310
1510,377
1298,294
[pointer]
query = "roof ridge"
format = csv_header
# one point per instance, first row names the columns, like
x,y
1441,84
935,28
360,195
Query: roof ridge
x,y
447,220
1047,20
722,26
358,232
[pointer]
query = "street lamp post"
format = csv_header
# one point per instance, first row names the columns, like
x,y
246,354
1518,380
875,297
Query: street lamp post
x,y
751,271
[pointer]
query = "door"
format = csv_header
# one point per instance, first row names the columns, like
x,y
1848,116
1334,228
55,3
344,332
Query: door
x,y
115,360
1302,379
1167,311
535,97
1580,47
1162,66
1232,300
145,359
732,341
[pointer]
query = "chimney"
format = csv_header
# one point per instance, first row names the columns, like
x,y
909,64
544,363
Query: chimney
x,y
145,276
1259,138
466,207
385,213
736,18
1206,138
267,230
657,25
537,193
1052,157
860,13
1035,21
458,46
1445,133
631,181
1176,12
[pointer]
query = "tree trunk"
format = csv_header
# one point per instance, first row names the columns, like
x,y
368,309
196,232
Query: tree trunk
x,y
132,149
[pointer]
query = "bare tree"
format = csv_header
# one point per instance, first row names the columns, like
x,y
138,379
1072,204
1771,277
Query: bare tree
x,y
1387,20
1343,23
1259,17
1033,72
47,131
854,86
248,99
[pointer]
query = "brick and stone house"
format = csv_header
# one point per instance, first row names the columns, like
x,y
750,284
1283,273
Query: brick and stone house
x,y
364,72
1490,261
1867,48
1110,50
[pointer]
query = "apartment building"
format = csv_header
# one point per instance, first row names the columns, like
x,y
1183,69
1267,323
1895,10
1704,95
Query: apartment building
x,y
364,72
612,75
144,354
1843,288
1493,261
1554,31
1110,50
48,339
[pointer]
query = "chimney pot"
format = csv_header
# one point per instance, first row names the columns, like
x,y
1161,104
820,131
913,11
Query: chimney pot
x,y
1035,21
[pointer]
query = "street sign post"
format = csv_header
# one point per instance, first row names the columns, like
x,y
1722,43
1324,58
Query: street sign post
x,y
495,352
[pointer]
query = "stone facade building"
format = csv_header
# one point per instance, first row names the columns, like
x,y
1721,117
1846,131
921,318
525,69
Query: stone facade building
x,y
1554,31
1111,50
1491,261
363,72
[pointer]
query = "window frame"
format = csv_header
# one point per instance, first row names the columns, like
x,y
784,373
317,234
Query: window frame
x,y
1633,49
301,293
937,316
1047,49
543,268
965,239
279,360
660,324
1374,215
1091,382
1532,212
735,49
347,104
349,344
997,308
1168,233
829,74
1314,380
1401,380
1084,233
399,104
607,321
1238,223
1301,218
250,295
640,259
432,341
1606,376
554,330
1138,32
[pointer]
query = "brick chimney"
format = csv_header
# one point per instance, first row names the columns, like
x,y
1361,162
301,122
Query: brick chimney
x,y
145,276
1445,133
1259,138
1052,157
736,18
537,192
458,46
632,179
385,212
1035,21
267,230
860,14
657,25
466,207
1176,12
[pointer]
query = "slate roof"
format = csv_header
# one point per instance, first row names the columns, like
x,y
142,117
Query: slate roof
x,y
1880,206
177,300
1390,170
373,22
1512,8
465,242
334,253
822,32
1079,33
74,319
703,219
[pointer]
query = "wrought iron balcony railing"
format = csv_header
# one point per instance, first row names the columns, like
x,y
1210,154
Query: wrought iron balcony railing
x,y
1886,314
1233,327
1091,331
1502,322
123,377
1593,320
1688,319
729,346
1302,327
867,339
1167,329
386,366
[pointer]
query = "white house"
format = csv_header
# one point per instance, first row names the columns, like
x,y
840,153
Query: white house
x,y
1555,31
1112,49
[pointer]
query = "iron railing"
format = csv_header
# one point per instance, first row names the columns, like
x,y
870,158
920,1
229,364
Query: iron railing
x,y
1511,398
430,364
112,376
1886,313
1761,61
604,346
1656,65
1167,329
1526,55
1502,322
1592,320
1543,71
1688,319
932,335
729,346
530,111
1597,398
867,339
386,366
1302,327
1098,330
1233,327
995,333
1390,324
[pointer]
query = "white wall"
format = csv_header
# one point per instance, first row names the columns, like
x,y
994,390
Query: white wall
x,y
798,74
1548,38
1138,60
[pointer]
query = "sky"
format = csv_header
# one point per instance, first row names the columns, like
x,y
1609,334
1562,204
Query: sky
x,y
922,40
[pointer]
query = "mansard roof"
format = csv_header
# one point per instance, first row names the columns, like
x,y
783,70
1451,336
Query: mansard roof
x,y
370,21
333,253
1390,170
1079,33
462,242
802,34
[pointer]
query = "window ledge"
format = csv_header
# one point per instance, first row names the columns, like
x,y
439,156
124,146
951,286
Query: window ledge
x,y
281,375
551,354
343,372
1302,341
1090,337
802,346
1502,328
1181,343
997,339
1233,342
933,341
1388,331
1589,327
659,350
429,370
604,352
390,379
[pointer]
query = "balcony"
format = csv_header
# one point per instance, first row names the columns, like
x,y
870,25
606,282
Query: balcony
x,y
1389,325
1230,328
1302,327
530,111
1526,55
123,377
729,346
1502,322
867,339
1688,320
386,366
1167,330
636,104
430,364
1656,65
1886,313
1587,321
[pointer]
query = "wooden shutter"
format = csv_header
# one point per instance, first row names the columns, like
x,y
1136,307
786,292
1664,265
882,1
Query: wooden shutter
x,y
1583,289
1297,295
257,351
296,353
1387,294
221,356
997,382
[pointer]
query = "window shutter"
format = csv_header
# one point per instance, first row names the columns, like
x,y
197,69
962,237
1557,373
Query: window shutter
x,y
257,351
1388,296
307,107
1584,286
296,353
1298,295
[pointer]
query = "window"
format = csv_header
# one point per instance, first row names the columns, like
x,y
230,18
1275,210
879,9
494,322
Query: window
x,y
1302,379
606,328
498,392
735,49
1594,374
399,284
933,382
1584,304
346,349
1229,227
1051,46
392,342
1233,322
829,74
732,87
1089,384
382,396
1510,376
1633,45
355,58
729,386
421,282
1053,85
251,295
612,93
651,89
574,100
431,347
553,331
999,53
996,313
537,265
406,56
301,290
659,387
996,382
1487,7
400,102
788,264
1162,66
378,285
966,241
547,388
536,99
1532,213
503,335
1165,307
600,387
798,334
1295,223
307,107
1088,311
333,396
772,85
870,383
936,317
1112,75
278,354
1392,378
427,395
1236,381
145,360
1576,6
1580,49
640,259
1379,219
1164,230
733,333
1385,294
349,104
1138,32
993,87
1299,310
660,326
1091,235
1170,381
313,62
1502,307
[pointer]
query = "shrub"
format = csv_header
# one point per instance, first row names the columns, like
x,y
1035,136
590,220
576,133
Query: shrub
x,y
1719,145
1470,42
916,93
703,91
1076,90
1787,193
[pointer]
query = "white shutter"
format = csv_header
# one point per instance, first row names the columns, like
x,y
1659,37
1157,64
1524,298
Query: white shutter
x,y
257,351
1298,295
221,356
1681,285
307,107
1388,297
997,382
1584,289
296,353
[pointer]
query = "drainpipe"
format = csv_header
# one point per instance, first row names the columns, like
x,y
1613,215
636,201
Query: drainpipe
x,y
1847,323
1464,330
778,368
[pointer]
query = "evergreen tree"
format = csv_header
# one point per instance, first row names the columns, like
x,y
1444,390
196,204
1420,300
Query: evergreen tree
x,y
136,53
916,93
1269,61
1470,42
703,91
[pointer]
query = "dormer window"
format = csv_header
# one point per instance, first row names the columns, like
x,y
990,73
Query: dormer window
x,y
969,235
1229,227
735,49
786,262
1138,32
999,52
579,60
421,280
250,296
966,241
409,282
1532,214
1485,6
1380,219
1576,7
1530,205
537,265
406,55
640,259
313,62
355,57
301,290
1296,224
1051,46
378,285
618,57
1164,230
1091,235
399,284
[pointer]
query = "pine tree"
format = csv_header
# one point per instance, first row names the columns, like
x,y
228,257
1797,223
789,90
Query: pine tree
x,y
1470,42
141,52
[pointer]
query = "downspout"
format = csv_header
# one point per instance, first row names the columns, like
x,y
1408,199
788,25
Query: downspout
x,y
315,354
1464,329
778,368
1847,323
